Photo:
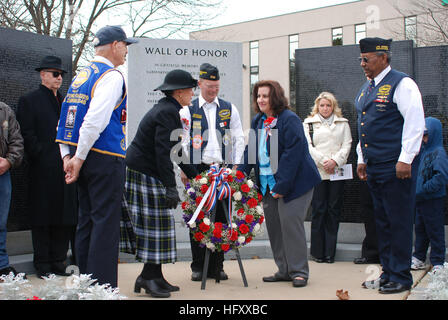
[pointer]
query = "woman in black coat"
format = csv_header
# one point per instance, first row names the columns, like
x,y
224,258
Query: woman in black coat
x,y
151,186
52,203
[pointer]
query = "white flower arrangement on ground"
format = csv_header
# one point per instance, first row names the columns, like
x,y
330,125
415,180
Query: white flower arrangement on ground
x,y
437,288
75,287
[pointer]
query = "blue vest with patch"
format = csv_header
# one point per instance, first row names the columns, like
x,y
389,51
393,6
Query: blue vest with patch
x,y
380,123
112,140
199,127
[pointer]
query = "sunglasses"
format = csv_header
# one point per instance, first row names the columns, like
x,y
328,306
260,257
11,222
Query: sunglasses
x,y
363,59
56,73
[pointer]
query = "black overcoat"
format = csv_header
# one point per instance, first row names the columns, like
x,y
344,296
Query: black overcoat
x,y
51,201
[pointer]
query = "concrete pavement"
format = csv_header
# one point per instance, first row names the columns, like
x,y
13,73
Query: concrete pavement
x,y
324,280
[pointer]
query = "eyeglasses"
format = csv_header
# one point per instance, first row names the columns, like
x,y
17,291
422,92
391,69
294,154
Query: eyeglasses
x,y
56,73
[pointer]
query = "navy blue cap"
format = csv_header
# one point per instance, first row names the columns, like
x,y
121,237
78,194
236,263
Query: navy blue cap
x,y
374,45
109,34
209,72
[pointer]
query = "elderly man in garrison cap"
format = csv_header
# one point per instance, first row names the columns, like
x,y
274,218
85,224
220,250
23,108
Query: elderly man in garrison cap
x,y
390,126
53,203
216,136
92,123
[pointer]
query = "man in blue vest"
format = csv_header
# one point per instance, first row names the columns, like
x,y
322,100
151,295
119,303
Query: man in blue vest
x,y
391,123
93,124
215,136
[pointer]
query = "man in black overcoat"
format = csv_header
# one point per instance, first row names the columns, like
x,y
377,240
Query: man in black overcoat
x,y
52,203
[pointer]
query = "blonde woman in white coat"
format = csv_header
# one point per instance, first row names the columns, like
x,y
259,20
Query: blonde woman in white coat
x,y
329,142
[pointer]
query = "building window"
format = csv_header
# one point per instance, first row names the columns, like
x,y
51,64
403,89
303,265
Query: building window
x,y
360,32
254,70
293,45
336,36
410,28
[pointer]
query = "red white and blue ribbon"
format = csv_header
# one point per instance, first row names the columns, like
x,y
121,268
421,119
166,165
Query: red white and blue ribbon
x,y
269,123
219,189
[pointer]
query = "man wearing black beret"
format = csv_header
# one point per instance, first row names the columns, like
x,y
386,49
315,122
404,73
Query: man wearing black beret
x,y
216,136
390,128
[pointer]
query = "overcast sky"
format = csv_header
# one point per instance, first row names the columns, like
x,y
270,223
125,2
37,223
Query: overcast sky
x,y
245,10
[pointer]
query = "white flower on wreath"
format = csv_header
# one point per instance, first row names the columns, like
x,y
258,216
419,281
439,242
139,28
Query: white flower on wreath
x,y
193,225
249,183
237,196
203,181
210,245
241,239
191,190
234,226
206,221
257,228
259,209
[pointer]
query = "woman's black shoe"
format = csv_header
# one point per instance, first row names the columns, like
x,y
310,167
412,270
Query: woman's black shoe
x,y
151,287
166,285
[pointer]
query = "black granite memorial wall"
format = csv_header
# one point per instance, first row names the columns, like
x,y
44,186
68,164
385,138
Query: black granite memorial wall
x,y
337,70
20,53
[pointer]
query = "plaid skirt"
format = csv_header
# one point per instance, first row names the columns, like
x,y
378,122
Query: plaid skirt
x,y
152,221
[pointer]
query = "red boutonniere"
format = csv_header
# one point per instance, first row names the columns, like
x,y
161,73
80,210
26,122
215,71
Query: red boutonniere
x,y
185,123
269,123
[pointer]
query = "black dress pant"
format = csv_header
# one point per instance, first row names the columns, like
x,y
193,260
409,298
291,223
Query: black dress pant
x,y
327,205
100,190
370,243
50,244
198,254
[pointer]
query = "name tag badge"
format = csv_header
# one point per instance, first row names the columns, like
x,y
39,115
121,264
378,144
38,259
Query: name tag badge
x,y
197,125
71,116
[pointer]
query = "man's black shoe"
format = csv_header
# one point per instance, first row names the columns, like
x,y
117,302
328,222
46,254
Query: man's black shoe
x,y
363,260
393,287
371,283
196,276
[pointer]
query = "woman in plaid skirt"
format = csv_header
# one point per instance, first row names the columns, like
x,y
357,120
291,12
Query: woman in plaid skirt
x,y
151,186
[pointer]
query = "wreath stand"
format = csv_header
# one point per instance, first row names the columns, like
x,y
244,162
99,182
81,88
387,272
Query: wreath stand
x,y
207,255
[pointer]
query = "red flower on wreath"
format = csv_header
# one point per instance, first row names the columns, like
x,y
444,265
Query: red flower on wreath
x,y
204,188
239,174
201,215
248,239
252,203
249,218
204,227
261,220
184,205
225,247
240,212
260,197
230,178
218,225
244,229
233,235
217,233
245,188
198,177
198,200
198,236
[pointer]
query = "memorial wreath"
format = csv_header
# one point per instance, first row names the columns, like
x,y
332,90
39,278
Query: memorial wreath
x,y
241,196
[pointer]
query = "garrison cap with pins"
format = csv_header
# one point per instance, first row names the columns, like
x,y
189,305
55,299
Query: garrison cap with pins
x,y
109,34
374,45
209,72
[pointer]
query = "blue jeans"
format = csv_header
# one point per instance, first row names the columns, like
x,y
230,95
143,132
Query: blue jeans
x,y
430,230
5,200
